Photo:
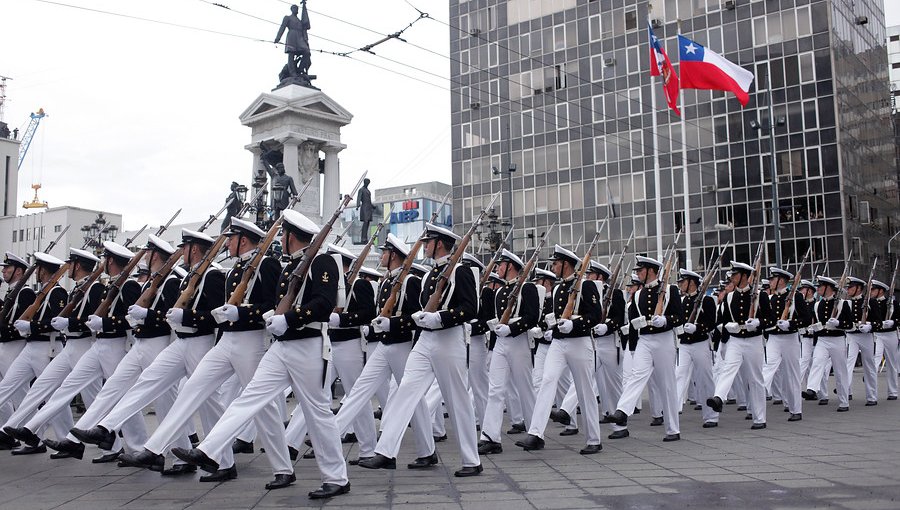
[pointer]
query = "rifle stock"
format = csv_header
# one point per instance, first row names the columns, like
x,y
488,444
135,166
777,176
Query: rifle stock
x,y
33,309
794,285
705,283
579,279
664,277
754,280
840,292
523,276
13,292
865,313
614,278
360,260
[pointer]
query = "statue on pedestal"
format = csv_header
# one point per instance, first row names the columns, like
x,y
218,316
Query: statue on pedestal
x,y
234,206
282,190
365,208
296,46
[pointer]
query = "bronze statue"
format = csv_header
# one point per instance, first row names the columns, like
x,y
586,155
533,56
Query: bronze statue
x,y
365,208
282,190
234,206
296,46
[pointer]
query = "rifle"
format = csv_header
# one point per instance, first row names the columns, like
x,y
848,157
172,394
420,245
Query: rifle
x,y
493,262
794,285
9,300
667,270
309,254
706,282
754,278
194,275
32,310
435,300
523,277
388,309
340,236
360,259
579,279
891,290
839,295
613,279
865,312
79,291
237,297
116,285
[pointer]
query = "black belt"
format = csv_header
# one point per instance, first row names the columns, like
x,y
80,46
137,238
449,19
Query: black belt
x,y
299,334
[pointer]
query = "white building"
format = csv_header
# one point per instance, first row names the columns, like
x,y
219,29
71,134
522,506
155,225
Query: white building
x,y
893,35
23,235
9,180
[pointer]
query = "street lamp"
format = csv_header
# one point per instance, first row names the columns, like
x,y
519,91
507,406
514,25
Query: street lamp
x,y
97,232
773,170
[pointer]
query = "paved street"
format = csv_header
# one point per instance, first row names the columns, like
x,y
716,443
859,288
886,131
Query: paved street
x,y
848,460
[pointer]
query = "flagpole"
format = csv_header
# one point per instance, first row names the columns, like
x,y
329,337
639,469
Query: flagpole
x,y
685,223
656,184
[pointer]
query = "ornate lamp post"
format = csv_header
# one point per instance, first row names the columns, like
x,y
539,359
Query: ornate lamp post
x,y
97,232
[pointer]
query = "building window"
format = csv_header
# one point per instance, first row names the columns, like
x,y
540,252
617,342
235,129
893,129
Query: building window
x,y
595,28
597,68
57,228
14,236
631,19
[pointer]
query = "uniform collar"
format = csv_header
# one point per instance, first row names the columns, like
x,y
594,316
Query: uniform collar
x,y
652,284
742,290
395,271
82,280
692,294
247,256
781,292
882,298
441,261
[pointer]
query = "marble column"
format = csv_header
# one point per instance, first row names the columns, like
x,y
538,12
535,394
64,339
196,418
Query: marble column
x,y
331,195
291,158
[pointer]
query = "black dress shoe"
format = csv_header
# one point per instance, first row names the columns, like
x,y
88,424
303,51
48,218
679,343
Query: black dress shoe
x,y
777,402
355,462
197,458
796,417
309,454
107,457
591,449
179,469
710,424
843,409
619,434
7,442
97,435
468,471
438,439
293,452
769,397
145,459
731,401
379,461
281,481
59,455
742,408
531,442
569,432
194,439
23,434
308,442
748,416
656,421
349,438
619,418
636,411
672,437
426,462
870,403
714,403
516,428
377,414
329,490
698,407
892,397
221,475
240,446
823,402
29,450
809,394
560,416
489,447
70,447
757,426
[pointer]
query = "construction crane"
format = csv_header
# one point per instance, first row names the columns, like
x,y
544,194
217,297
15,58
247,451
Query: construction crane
x,y
36,118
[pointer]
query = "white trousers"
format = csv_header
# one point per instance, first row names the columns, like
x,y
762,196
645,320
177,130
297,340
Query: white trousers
x,y
831,350
437,355
29,363
608,374
864,345
479,380
513,401
298,364
695,362
382,392
891,347
566,398
49,381
347,363
9,351
435,402
576,354
806,354
654,357
783,357
236,353
745,356
510,363
385,360
627,372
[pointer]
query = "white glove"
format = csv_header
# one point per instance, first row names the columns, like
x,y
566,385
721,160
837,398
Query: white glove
x,y
503,330
815,327
658,321
888,324
428,320
752,324
94,323
23,327
137,312
865,327
639,322
276,324
334,320
493,323
381,324
783,325
59,323
548,335
733,327
535,333
601,329
565,326
364,330
832,323
225,313
175,316
550,319
690,328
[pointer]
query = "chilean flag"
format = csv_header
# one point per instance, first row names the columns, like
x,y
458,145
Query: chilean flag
x,y
704,69
661,66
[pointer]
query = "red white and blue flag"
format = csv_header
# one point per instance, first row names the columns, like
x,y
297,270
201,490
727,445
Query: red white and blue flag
x,y
661,66
704,69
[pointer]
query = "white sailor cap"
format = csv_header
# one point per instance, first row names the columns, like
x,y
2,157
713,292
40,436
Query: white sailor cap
x,y
764,283
560,253
340,250
245,228
641,261
599,268
472,260
741,267
852,280
824,280
494,277
433,231
371,273
117,250
193,236
83,255
393,242
508,256
419,269
11,259
542,274
142,268
299,223
635,280
777,272
684,274
47,259
880,284
155,243
807,283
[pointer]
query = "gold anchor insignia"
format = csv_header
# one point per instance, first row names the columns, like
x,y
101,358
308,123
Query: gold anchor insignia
x,y
325,278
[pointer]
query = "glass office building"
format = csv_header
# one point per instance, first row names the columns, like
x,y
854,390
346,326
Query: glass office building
x,y
552,107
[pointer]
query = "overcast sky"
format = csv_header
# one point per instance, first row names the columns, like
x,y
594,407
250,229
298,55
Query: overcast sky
x,y
143,117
